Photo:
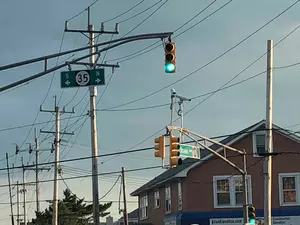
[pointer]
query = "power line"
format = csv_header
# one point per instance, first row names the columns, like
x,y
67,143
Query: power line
x,y
146,18
143,169
210,62
121,14
38,123
116,59
122,21
135,150
198,96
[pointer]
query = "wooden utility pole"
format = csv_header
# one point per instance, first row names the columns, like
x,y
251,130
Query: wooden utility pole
x,y
10,196
125,215
57,140
269,137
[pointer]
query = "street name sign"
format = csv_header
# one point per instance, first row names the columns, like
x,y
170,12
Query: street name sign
x,y
189,151
82,78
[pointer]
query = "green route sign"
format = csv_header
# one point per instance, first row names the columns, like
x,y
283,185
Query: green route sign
x,y
189,151
82,78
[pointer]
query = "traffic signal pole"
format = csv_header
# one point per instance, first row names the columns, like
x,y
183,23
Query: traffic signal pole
x,y
242,171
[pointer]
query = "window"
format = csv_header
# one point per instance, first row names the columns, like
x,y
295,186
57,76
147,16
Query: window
x,y
168,199
156,199
179,196
259,142
289,189
228,191
144,207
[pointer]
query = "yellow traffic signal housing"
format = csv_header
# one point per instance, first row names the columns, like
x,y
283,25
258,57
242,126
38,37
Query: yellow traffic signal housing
x,y
170,57
160,147
174,152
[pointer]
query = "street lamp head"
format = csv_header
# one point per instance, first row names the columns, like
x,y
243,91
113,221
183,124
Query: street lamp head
x,y
173,92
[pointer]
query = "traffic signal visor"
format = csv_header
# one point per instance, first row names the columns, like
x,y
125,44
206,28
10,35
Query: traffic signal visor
x,y
170,57
174,151
160,147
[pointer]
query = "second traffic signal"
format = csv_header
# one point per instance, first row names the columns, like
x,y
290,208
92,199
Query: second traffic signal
x,y
251,214
170,57
174,152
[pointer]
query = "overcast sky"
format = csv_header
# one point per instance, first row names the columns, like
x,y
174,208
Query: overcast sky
x,y
35,28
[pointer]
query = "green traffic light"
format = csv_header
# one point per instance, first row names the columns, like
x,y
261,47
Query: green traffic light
x,y
252,221
169,68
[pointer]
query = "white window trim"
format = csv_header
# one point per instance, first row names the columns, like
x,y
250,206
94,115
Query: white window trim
x,y
156,206
147,207
297,182
254,142
179,184
167,212
231,191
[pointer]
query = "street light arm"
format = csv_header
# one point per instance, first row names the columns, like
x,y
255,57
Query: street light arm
x,y
38,75
134,37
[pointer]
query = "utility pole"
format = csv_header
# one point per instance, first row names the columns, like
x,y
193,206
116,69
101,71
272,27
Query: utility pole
x,y
93,94
94,140
57,158
125,214
18,204
269,137
36,169
24,193
37,190
10,196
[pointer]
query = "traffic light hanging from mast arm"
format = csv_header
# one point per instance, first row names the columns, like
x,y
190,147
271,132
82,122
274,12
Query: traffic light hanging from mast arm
x,y
170,57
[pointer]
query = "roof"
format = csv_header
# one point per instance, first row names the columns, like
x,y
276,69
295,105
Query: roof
x,y
189,163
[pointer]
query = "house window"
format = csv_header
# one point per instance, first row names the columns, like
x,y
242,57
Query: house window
x,y
156,199
289,189
259,142
229,192
168,199
144,207
179,196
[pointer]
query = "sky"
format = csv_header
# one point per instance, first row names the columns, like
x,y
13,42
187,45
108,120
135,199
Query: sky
x,y
35,28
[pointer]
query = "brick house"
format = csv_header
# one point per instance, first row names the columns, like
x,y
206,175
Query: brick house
x,y
209,191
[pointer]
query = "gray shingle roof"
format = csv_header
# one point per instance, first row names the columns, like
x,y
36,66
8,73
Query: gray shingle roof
x,y
170,173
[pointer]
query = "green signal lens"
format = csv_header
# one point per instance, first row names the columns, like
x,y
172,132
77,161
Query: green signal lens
x,y
252,221
169,68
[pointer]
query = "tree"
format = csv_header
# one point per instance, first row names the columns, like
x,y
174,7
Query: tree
x,y
71,211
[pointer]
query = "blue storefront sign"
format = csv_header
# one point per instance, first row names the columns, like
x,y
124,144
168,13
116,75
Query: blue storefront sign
x,y
286,216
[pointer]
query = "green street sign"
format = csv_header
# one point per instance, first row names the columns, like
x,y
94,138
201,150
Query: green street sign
x,y
189,151
82,78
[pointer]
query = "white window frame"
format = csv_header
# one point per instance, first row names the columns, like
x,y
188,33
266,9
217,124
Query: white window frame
x,y
179,190
231,191
297,187
156,197
168,198
254,142
141,206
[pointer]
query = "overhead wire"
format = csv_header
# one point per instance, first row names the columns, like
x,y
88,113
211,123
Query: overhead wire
x,y
210,62
127,11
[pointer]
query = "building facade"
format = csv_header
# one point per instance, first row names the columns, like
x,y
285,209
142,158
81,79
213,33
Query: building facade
x,y
209,191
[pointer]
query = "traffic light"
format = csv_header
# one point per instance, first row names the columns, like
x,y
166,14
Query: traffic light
x,y
170,57
251,214
174,152
160,147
